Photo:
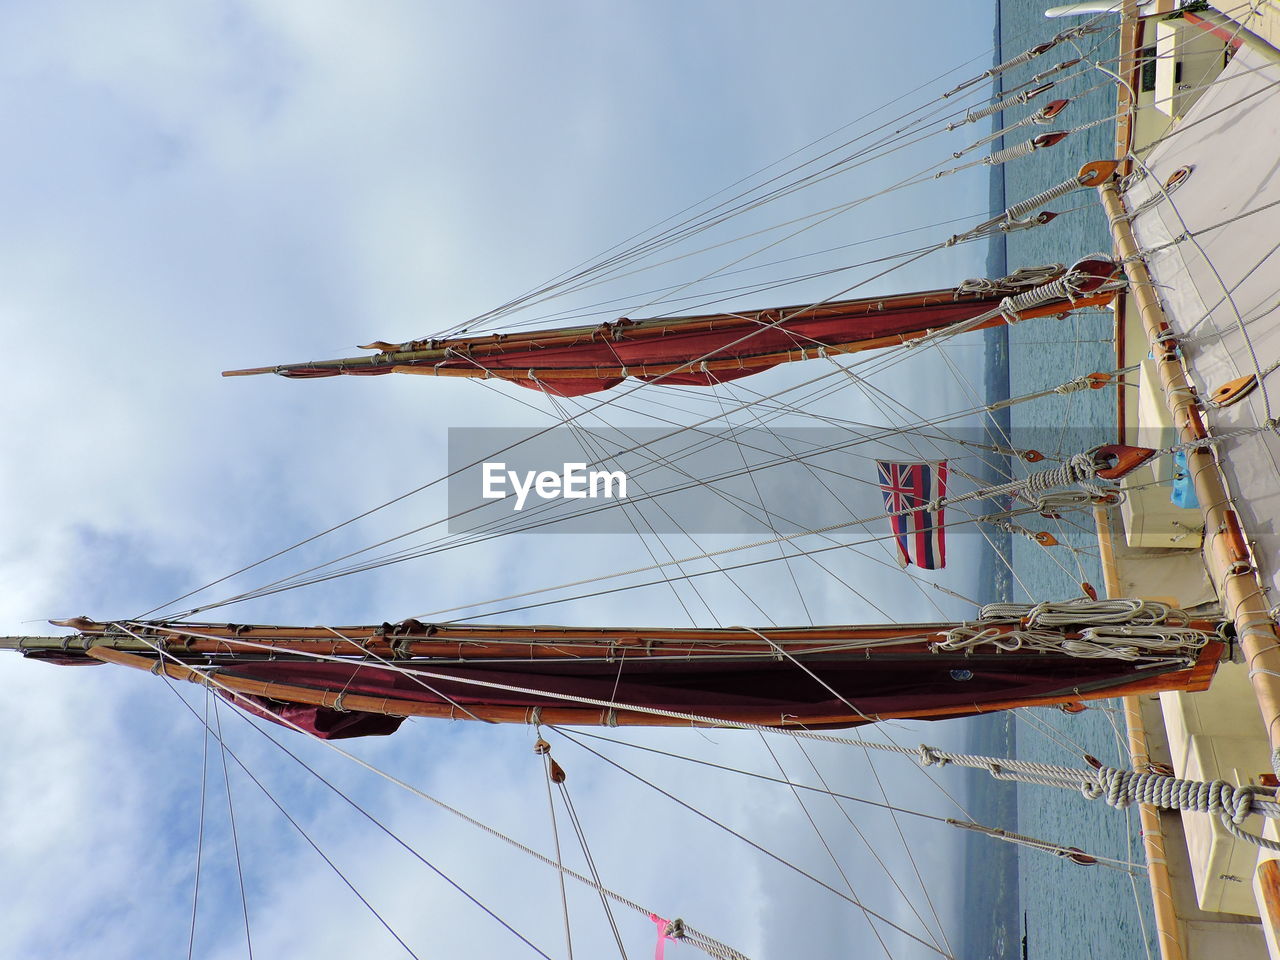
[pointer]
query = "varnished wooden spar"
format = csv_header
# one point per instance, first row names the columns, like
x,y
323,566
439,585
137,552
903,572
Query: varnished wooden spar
x,y
461,641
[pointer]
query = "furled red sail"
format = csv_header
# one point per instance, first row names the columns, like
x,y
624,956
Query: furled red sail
x,y
354,681
698,351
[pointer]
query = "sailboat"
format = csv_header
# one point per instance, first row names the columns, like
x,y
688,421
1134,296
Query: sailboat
x,y
718,679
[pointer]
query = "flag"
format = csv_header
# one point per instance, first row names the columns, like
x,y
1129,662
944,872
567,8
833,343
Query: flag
x,y
907,488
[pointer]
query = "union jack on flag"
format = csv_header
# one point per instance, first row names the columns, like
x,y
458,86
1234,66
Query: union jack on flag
x,y
907,488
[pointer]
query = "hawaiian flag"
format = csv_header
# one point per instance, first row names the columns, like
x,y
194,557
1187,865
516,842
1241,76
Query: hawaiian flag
x,y
907,489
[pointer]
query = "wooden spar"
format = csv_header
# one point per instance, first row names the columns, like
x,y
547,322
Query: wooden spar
x,y
1229,562
455,642
1153,840
1195,678
501,641
1129,69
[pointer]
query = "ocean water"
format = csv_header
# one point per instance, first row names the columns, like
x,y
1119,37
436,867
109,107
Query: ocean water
x,y
1070,910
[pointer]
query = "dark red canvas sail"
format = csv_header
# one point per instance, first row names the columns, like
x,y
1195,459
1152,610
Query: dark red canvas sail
x,y
336,682
699,351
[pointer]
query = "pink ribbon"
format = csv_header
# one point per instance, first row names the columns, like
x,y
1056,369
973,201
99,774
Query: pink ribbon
x,y
663,936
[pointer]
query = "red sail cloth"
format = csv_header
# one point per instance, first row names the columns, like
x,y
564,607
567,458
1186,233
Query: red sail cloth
x,y
946,684
717,348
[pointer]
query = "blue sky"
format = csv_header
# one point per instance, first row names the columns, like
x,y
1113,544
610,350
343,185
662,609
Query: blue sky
x,y
189,188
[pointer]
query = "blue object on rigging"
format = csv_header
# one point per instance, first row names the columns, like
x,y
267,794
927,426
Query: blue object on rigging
x,y
1184,491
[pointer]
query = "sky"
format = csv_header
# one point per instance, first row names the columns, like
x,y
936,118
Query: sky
x,y
190,188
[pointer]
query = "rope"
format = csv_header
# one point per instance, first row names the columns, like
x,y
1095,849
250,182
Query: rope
x,y
1040,117
1089,26
1121,629
1040,199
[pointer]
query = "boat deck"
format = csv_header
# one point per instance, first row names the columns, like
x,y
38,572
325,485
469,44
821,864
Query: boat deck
x,y
1212,245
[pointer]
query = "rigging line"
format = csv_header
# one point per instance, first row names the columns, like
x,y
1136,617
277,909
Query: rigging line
x,y
1138,895
533,691
767,515
1147,148
826,216
919,179
814,560
691,226
707,555
595,449
437,480
726,497
305,836
362,812
1228,292
758,173
837,798
730,498
204,783
601,307
693,936
1049,732
941,931
825,790
1121,740
284,583
555,836
710,219
991,423
525,323
733,501
875,775
799,340
591,865
768,853
891,412
999,469
723,270
840,869
235,837
383,828
213,682
736,502
890,140
611,590
929,341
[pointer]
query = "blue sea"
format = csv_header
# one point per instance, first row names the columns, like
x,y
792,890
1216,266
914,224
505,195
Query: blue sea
x,y
1070,910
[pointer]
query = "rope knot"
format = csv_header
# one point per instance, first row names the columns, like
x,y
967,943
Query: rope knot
x,y
929,756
